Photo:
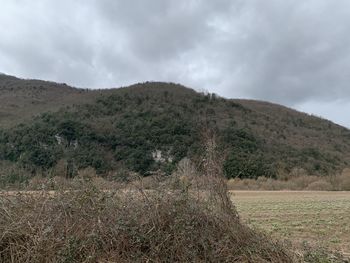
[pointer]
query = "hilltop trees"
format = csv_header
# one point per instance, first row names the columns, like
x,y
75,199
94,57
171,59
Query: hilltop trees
x,y
126,128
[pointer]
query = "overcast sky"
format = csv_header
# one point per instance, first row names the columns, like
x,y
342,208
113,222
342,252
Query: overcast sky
x,y
295,53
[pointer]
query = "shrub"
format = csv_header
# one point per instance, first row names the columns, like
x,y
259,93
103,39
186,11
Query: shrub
x,y
339,182
342,181
320,185
13,179
247,166
97,226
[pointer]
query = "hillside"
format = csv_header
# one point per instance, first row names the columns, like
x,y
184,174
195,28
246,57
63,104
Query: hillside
x,y
22,99
52,128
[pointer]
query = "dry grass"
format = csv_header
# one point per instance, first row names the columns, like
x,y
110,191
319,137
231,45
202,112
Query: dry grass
x,y
340,182
317,218
127,226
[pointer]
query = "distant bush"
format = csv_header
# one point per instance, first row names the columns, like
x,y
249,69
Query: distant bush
x,y
246,158
340,182
247,166
13,179
320,185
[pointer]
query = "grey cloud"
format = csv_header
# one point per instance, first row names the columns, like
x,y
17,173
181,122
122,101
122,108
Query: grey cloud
x,y
297,51
290,52
333,110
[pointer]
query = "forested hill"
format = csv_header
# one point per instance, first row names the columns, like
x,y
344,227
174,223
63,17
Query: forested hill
x,y
152,126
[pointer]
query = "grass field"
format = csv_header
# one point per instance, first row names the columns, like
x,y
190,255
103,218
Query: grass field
x,y
319,218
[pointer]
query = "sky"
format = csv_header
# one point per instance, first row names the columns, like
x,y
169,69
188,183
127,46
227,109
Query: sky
x,y
295,53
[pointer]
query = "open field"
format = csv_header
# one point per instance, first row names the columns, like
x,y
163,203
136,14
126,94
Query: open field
x,y
321,218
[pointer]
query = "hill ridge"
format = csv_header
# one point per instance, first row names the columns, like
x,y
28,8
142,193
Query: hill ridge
x,y
121,130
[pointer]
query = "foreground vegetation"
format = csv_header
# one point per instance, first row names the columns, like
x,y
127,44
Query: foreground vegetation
x,y
176,221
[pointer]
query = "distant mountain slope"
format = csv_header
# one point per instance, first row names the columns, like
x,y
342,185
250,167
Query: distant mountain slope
x,y
21,99
151,126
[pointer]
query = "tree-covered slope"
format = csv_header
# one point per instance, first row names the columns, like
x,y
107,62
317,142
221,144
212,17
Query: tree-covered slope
x,y
152,126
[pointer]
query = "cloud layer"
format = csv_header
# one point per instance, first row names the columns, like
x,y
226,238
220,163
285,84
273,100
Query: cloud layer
x,y
291,52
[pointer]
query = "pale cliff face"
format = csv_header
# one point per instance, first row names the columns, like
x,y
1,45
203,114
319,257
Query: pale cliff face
x,y
158,156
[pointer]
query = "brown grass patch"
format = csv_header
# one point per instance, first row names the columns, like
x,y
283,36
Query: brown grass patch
x,y
339,182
